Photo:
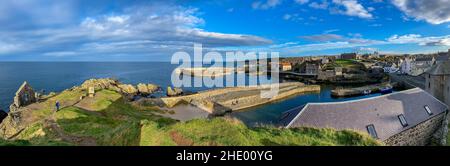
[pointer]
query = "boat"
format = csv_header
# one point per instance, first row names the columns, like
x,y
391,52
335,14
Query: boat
x,y
367,92
386,90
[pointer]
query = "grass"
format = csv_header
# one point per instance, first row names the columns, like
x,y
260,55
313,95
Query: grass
x,y
35,135
230,132
345,63
115,121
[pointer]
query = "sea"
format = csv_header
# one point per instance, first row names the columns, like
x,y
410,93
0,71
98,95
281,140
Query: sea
x,y
46,77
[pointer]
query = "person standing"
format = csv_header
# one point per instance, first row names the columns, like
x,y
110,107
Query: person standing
x,y
57,105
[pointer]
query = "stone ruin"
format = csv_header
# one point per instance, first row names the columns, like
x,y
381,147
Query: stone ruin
x,y
24,96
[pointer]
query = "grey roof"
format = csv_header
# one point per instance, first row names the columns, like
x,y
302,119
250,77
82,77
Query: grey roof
x,y
424,59
442,68
441,57
381,111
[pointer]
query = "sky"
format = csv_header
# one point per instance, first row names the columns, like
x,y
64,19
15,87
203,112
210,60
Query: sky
x,y
135,30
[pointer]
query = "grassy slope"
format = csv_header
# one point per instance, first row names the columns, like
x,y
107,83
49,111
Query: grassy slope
x,y
224,131
113,121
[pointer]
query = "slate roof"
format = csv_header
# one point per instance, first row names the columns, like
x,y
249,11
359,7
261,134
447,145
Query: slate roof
x,y
442,68
424,59
381,111
442,57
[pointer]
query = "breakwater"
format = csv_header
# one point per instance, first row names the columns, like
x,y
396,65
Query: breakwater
x,y
220,101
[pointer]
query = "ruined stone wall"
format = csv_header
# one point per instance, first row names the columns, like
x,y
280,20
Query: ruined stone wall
x,y
419,135
24,96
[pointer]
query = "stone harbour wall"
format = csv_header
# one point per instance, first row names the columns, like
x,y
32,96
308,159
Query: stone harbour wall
x,y
419,135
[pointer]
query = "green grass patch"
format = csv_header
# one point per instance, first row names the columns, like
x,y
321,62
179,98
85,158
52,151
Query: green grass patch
x,y
82,123
230,132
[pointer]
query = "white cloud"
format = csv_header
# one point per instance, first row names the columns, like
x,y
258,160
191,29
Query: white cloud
x,y
16,14
331,31
352,8
419,39
293,17
326,42
375,25
265,5
353,38
118,19
301,2
432,11
138,30
60,54
319,5
287,16
6,48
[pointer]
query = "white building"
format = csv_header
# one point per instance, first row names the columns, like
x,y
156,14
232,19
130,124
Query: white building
x,y
391,69
405,66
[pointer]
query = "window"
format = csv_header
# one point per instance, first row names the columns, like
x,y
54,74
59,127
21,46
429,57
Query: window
x,y
372,131
402,119
428,110
429,85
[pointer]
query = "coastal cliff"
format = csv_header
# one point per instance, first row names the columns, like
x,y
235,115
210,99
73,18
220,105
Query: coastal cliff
x,y
108,117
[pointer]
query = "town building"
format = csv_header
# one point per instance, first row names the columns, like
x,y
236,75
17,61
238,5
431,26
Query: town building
x,y
405,66
443,56
338,71
325,60
410,117
310,67
348,56
391,69
437,81
285,66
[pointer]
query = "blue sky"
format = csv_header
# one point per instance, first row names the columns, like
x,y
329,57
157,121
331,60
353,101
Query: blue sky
x,y
104,30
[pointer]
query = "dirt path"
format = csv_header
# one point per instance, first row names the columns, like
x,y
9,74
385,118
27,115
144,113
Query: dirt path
x,y
52,125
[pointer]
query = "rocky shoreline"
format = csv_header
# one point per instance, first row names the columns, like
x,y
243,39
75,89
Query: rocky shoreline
x,y
30,107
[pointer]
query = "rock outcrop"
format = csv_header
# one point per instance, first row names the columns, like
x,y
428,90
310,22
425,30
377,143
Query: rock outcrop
x,y
147,89
103,83
128,89
174,92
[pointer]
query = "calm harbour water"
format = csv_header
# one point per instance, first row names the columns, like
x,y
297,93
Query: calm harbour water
x,y
57,76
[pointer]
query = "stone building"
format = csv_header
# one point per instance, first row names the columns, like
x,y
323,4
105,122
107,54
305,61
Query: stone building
x,y
437,81
24,96
285,66
338,71
310,67
348,56
405,66
410,117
